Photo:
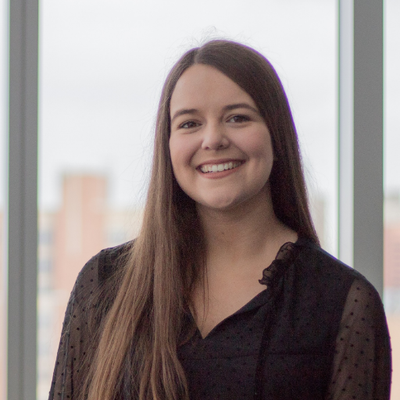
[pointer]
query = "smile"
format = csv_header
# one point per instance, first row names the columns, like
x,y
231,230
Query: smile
x,y
212,168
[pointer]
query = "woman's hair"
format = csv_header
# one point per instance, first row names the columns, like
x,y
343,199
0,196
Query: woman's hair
x,y
143,329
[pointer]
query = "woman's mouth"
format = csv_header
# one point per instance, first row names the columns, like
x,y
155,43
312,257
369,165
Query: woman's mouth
x,y
212,168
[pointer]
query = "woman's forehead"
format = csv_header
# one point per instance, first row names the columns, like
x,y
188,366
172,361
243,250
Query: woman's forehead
x,y
205,86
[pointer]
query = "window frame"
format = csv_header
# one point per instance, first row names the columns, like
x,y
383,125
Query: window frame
x,y
360,178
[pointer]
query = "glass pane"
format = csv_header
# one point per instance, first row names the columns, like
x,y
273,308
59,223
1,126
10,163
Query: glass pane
x,y
3,180
392,185
102,65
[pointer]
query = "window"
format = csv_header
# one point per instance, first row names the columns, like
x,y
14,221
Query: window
x,y
392,186
101,71
101,68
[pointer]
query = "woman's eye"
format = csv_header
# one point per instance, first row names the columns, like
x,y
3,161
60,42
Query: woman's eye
x,y
188,125
239,118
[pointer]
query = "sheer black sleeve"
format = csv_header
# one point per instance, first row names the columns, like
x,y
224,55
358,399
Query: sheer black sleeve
x,y
92,296
362,361
75,341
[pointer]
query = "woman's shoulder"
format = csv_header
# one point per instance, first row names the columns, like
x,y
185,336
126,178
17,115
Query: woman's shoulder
x,y
318,271
112,259
315,260
99,269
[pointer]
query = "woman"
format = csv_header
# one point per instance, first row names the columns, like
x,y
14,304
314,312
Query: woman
x,y
226,293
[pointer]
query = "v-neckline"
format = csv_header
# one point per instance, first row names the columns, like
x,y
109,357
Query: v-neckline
x,y
284,257
257,301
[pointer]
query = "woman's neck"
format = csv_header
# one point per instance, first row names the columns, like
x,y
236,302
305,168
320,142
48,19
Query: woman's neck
x,y
245,233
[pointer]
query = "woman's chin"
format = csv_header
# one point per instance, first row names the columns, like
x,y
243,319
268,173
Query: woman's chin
x,y
221,204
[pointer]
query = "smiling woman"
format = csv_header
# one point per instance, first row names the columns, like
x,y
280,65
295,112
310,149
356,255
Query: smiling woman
x,y
225,293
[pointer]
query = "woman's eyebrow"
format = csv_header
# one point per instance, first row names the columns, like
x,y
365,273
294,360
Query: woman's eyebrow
x,y
240,105
183,112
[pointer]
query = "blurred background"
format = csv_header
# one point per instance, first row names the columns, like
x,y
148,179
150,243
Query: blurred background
x,y
101,68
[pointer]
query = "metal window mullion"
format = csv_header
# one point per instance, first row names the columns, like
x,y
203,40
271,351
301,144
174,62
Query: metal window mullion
x,y
368,140
22,200
361,137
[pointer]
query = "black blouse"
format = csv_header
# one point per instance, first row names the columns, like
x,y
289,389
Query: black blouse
x,y
318,331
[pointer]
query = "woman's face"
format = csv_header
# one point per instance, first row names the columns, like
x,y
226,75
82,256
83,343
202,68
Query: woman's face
x,y
220,146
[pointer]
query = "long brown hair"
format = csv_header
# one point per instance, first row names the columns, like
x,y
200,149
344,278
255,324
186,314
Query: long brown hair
x,y
143,328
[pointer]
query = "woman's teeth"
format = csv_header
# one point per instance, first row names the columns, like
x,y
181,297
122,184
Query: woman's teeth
x,y
219,167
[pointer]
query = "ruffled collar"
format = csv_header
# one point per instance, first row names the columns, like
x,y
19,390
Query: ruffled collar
x,y
284,258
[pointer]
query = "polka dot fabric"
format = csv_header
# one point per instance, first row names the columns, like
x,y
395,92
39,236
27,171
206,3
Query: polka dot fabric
x,y
75,341
80,331
361,366
317,331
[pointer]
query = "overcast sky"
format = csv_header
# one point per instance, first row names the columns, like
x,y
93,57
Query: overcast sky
x,y
102,64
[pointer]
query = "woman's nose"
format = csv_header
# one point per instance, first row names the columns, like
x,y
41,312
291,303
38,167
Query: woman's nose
x,y
215,138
